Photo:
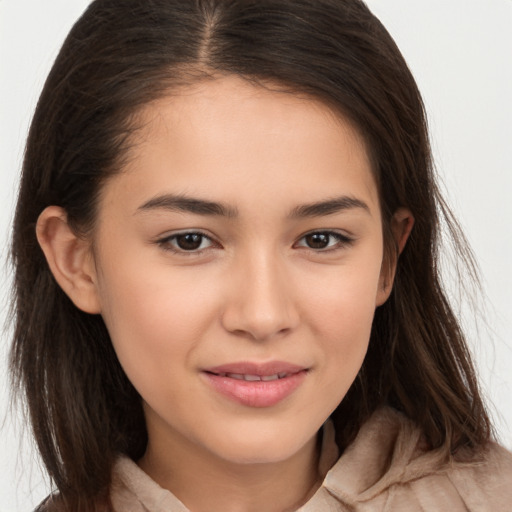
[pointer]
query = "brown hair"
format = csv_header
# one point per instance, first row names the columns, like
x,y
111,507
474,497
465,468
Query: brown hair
x,y
119,56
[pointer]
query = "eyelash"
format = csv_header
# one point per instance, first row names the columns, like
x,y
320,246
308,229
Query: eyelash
x,y
341,240
167,243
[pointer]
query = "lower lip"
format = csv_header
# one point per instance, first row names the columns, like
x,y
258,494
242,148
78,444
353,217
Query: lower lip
x,y
256,393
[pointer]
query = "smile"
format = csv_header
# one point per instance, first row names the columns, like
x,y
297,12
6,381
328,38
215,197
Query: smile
x,y
256,385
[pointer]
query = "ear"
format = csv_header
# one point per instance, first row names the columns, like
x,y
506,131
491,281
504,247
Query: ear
x,y
69,258
402,223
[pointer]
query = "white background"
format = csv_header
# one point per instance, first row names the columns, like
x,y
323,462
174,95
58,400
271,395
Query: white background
x,y
461,54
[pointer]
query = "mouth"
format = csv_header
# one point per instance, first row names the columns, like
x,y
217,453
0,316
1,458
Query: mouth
x,y
254,378
254,384
271,370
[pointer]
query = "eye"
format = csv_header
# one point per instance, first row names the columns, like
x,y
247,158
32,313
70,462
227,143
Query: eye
x,y
324,240
186,242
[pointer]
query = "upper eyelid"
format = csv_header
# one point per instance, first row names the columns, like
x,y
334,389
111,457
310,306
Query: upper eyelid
x,y
168,236
342,239
166,239
336,233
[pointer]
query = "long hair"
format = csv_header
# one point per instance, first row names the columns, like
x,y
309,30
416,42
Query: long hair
x,y
121,55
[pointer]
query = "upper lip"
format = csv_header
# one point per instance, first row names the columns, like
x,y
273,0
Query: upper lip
x,y
267,369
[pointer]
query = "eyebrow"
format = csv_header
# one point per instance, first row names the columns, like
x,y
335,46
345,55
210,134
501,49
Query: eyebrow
x,y
329,207
182,203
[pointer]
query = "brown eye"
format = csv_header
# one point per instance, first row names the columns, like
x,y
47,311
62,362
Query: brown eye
x,y
189,241
186,242
324,241
318,240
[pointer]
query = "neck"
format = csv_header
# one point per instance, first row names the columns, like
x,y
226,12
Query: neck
x,y
206,483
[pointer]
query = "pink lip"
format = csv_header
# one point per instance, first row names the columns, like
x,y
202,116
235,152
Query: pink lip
x,y
226,379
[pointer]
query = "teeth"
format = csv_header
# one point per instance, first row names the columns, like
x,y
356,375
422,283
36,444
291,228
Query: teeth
x,y
270,377
254,378
237,376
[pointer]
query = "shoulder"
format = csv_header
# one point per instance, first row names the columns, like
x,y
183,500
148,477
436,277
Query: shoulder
x,y
487,481
475,481
388,463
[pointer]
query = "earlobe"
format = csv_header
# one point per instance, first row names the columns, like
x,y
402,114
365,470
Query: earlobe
x,y
69,258
402,223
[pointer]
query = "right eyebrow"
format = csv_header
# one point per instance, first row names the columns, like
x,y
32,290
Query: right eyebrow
x,y
182,203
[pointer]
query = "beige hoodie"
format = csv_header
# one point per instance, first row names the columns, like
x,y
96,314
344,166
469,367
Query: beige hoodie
x,y
384,469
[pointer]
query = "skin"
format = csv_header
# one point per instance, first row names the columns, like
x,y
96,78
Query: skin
x,y
255,289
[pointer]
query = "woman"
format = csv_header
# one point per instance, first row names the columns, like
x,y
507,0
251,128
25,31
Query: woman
x,y
239,225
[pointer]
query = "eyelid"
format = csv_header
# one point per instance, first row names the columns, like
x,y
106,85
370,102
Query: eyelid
x,y
343,240
165,242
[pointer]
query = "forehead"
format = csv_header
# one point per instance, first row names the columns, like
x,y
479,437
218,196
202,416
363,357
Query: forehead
x,y
232,138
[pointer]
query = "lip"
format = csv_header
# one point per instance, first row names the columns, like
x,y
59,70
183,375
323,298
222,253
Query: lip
x,y
256,384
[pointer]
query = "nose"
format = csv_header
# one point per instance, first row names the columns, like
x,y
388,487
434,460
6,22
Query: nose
x,y
261,303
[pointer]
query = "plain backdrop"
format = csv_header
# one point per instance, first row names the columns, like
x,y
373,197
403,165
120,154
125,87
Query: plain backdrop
x,y
460,52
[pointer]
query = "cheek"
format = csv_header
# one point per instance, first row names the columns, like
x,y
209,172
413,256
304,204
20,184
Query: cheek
x,y
155,319
341,312
344,299
346,334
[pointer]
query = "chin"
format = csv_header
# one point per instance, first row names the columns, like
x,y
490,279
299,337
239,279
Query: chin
x,y
262,447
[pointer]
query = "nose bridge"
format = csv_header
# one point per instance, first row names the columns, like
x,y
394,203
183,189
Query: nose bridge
x,y
261,303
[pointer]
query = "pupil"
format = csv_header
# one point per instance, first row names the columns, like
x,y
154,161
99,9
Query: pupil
x,y
189,241
317,240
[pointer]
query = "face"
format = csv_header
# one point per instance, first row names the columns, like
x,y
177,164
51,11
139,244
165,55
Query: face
x,y
238,267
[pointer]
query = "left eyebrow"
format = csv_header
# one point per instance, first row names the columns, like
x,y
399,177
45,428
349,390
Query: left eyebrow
x,y
329,207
